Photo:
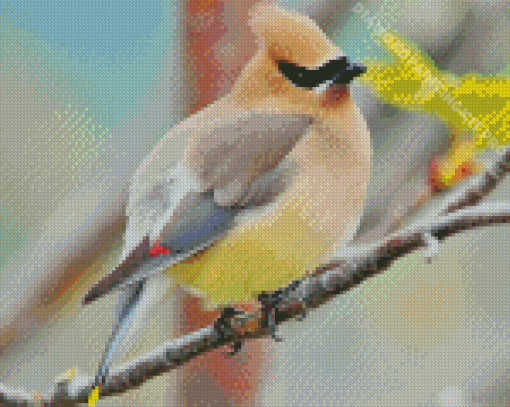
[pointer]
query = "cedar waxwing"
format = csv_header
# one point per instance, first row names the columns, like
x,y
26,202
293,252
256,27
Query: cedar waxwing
x,y
272,180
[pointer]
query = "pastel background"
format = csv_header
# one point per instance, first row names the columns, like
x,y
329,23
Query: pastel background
x,y
87,88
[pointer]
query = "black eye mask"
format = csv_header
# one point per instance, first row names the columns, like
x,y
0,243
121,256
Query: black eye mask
x,y
338,71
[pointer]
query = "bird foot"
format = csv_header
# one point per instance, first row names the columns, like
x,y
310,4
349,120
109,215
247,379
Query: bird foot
x,y
223,326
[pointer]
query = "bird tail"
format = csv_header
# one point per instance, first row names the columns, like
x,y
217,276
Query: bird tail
x,y
128,300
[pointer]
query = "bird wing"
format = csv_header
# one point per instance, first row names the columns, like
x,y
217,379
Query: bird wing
x,y
175,218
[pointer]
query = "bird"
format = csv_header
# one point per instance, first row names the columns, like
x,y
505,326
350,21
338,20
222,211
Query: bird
x,y
271,182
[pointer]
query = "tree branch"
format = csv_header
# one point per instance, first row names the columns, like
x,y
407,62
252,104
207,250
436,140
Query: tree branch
x,y
478,186
348,269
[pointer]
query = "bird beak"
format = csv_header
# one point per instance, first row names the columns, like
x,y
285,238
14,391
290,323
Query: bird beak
x,y
338,84
351,71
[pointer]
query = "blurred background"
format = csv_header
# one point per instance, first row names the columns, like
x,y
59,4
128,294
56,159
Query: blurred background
x,y
88,88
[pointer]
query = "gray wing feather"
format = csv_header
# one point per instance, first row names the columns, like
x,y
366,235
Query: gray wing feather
x,y
184,218
168,213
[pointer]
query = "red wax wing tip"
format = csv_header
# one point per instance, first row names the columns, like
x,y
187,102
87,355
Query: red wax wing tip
x,y
157,249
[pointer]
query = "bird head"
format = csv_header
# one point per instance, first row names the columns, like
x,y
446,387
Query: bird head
x,y
296,66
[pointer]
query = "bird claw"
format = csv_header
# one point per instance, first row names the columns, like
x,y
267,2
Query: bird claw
x,y
268,302
224,324
271,325
224,321
236,348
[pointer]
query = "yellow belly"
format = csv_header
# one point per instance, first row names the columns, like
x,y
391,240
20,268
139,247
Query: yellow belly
x,y
256,257
319,208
